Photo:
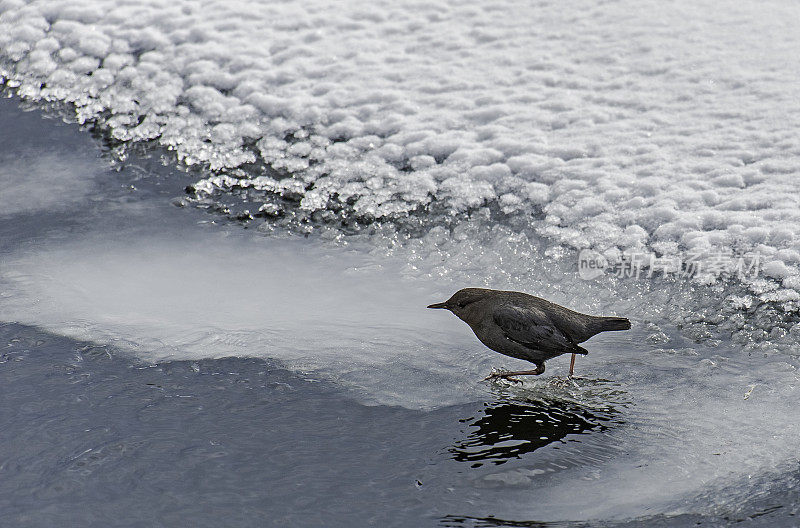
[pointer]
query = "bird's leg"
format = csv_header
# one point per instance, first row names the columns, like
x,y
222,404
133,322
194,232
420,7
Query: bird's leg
x,y
572,375
508,375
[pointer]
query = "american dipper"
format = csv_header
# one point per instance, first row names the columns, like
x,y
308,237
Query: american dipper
x,y
526,327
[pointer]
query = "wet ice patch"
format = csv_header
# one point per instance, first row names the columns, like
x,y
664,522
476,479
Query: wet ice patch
x,y
324,312
35,182
692,429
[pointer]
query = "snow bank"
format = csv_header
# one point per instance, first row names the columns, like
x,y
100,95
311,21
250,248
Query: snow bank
x,y
670,127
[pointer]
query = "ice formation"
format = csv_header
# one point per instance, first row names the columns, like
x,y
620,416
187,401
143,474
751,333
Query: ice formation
x,y
613,126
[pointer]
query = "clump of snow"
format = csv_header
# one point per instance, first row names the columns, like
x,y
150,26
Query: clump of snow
x,y
609,126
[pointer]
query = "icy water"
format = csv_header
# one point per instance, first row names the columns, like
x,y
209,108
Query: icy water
x,y
163,366
212,292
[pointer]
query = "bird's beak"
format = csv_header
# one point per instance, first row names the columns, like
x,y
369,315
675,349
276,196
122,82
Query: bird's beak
x,y
438,305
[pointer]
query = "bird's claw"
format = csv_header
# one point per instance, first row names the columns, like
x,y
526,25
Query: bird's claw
x,y
506,377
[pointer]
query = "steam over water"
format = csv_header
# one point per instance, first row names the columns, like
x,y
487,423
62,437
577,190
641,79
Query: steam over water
x,y
272,193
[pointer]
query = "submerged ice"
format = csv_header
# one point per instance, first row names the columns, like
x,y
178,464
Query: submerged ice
x,y
193,297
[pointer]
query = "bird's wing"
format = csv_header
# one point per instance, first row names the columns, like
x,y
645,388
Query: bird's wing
x,y
532,328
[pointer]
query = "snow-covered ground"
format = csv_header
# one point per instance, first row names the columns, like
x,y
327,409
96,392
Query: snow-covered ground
x,y
667,125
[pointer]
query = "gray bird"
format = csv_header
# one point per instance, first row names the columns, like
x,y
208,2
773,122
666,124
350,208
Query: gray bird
x,y
526,327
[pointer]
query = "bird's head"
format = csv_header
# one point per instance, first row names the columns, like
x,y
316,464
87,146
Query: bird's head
x,y
463,304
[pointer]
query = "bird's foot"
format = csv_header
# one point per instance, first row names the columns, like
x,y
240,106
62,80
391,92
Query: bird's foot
x,y
508,376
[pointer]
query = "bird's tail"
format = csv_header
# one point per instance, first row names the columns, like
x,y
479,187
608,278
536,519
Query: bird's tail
x,y
604,324
579,350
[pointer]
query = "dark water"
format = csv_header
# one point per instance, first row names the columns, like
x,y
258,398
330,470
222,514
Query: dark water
x,y
90,436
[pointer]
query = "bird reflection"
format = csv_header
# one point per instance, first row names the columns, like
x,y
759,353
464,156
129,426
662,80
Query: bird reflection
x,y
457,521
504,430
